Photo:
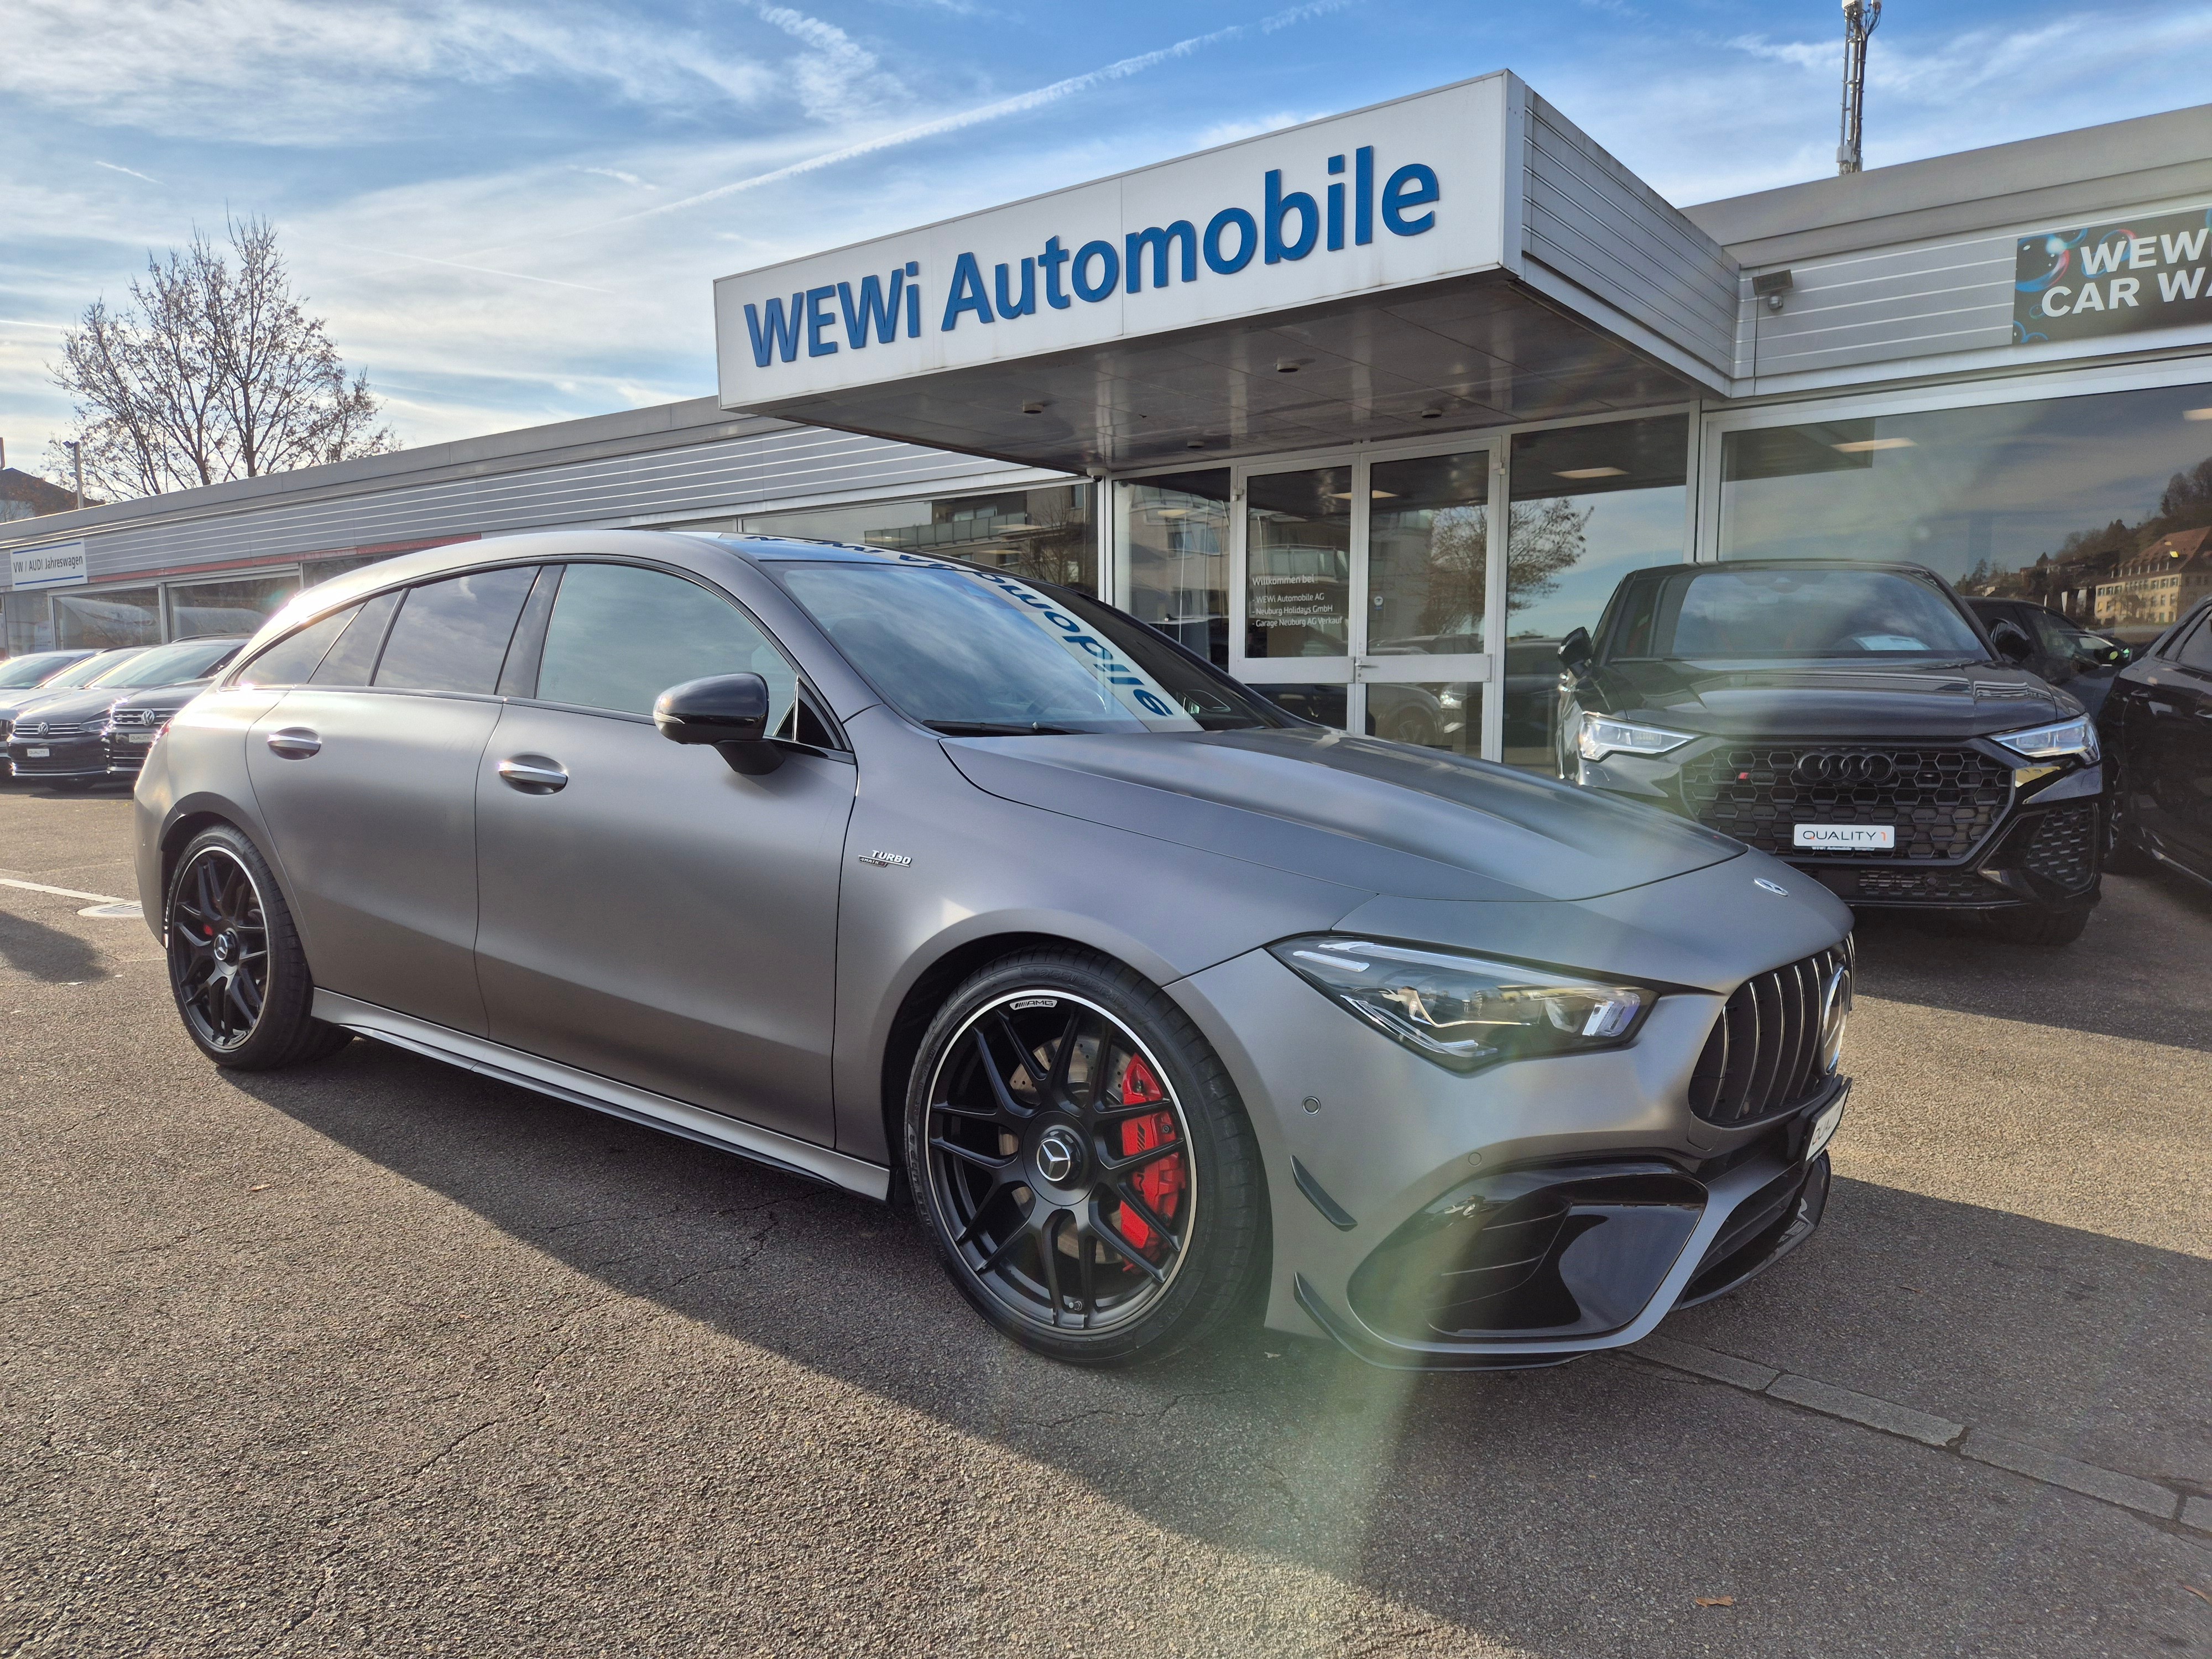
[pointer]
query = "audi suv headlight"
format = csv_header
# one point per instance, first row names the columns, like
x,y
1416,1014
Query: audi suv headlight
x,y
2073,736
1600,736
1465,1013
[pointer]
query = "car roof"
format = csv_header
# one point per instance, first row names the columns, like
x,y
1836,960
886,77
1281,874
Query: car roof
x,y
1902,567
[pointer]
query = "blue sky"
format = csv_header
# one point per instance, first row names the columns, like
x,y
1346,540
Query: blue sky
x,y
511,212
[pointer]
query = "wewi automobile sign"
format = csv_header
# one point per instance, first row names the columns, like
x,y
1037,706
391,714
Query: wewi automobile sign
x,y
2121,278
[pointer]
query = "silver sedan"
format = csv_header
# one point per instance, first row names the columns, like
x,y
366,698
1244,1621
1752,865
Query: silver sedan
x,y
1160,1006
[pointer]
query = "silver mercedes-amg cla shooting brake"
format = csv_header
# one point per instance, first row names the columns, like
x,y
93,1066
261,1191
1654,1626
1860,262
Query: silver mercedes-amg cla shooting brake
x,y
952,887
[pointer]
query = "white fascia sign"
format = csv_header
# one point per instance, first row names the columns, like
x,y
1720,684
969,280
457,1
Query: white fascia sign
x,y
1404,193
60,564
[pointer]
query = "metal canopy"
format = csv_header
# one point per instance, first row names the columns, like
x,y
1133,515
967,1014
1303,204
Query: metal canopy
x,y
1473,352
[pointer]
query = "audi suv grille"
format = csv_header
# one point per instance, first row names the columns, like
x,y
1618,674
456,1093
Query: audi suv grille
x,y
1767,1050
1942,802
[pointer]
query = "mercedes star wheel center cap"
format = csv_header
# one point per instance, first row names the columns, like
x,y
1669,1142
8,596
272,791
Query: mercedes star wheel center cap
x,y
1057,1153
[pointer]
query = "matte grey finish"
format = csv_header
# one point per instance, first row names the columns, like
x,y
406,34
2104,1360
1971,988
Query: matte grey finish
x,y
724,998
376,832
736,957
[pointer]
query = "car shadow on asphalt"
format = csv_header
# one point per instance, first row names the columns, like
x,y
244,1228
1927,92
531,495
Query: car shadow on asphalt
x,y
1498,1501
2138,972
48,953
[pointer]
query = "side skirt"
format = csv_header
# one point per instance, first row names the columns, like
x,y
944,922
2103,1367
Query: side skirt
x,y
580,1088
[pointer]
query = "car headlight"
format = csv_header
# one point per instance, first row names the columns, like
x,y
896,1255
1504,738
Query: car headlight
x,y
2073,736
1465,1013
1600,736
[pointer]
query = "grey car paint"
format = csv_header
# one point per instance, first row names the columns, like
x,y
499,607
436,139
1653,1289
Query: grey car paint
x,y
1181,856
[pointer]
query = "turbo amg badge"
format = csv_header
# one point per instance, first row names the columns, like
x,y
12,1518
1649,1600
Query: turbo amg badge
x,y
887,861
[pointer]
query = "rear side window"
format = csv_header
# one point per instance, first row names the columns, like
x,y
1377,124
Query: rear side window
x,y
2195,650
619,636
353,659
293,658
451,635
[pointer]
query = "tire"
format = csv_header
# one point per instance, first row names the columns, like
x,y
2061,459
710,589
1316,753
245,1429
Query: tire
x,y
1056,1212
236,971
2049,926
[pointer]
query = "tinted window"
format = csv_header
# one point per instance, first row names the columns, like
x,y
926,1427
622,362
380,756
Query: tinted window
x,y
298,655
2196,649
353,659
1803,612
451,635
29,671
170,664
620,636
961,649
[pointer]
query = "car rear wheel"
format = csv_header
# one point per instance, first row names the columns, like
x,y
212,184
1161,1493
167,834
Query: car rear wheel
x,y
236,970
1081,1161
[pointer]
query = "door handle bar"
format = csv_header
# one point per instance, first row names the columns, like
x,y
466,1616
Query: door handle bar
x,y
533,774
294,742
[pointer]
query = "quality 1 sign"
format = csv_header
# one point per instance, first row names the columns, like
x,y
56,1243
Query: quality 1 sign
x,y
1406,192
60,565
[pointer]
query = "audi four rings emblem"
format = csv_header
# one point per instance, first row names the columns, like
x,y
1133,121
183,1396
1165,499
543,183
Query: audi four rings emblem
x,y
1844,769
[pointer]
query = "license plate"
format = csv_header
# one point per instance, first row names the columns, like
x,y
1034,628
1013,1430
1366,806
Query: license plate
x,y
141,737
1845,837
37,754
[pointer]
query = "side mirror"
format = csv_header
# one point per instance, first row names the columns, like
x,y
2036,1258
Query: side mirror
x,y
2012,642
1575,654
728,710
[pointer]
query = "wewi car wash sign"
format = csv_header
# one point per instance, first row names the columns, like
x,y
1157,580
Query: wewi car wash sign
x,y
1406,192
2144,273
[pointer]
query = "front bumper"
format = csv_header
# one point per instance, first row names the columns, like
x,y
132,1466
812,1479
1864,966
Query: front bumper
x,y
1524,1216
35,758
2035,838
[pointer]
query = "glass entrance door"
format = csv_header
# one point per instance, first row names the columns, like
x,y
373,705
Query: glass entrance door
x,y
1361,594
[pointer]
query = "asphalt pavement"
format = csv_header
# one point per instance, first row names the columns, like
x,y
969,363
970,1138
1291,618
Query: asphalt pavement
x,y
376,1357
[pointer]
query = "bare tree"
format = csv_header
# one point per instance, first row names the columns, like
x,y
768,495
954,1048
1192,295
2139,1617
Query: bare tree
x,y
213,371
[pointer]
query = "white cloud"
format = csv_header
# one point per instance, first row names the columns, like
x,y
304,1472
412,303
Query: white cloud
x,y
836,76
1228,132
133,171
619,177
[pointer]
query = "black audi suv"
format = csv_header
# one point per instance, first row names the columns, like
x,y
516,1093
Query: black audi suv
x,y
2158,721
63,740
1853,718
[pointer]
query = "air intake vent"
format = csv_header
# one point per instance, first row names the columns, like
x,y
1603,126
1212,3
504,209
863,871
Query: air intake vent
x,y
1776,1040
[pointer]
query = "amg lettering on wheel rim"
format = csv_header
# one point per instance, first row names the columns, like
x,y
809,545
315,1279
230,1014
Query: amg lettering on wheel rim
x,y
218,948
1060,1162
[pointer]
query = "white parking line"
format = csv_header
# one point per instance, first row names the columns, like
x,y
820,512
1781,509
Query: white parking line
x,y
108,905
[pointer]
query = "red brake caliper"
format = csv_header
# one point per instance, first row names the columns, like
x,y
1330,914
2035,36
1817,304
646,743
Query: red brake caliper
x,y
1159,1184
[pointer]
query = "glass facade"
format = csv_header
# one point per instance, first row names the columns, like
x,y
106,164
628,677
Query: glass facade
x,y
2061,500
239,606
99,617
1044,535
1588,505
1298,559
1172,539
27,623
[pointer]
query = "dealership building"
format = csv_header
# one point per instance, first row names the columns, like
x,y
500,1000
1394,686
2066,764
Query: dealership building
x,y
1371,410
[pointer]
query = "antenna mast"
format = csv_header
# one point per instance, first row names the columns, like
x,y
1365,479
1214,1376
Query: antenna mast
x,y
1860,19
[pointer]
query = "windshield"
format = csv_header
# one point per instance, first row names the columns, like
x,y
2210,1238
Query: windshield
x,y
92,668
1766,615
978,653
29,671
166,664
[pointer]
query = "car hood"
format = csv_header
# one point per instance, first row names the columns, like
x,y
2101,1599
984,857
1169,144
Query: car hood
x,y
167,699
1856,702
1349,810
70,707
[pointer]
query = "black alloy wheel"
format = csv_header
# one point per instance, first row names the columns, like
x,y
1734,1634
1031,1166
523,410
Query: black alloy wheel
x,y
1085,1172
236,970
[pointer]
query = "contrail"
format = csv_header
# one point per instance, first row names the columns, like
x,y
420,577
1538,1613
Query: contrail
x,y
1015,105
484,271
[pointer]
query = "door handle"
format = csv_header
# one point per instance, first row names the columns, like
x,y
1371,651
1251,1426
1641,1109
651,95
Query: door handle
x,y
294,742
533,774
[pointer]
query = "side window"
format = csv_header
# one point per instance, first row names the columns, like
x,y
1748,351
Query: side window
x,y
451,635
620,636
2195,650
353,659
298,655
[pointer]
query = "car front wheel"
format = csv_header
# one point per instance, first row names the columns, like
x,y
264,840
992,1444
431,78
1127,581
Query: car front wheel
x,y
1082,1163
